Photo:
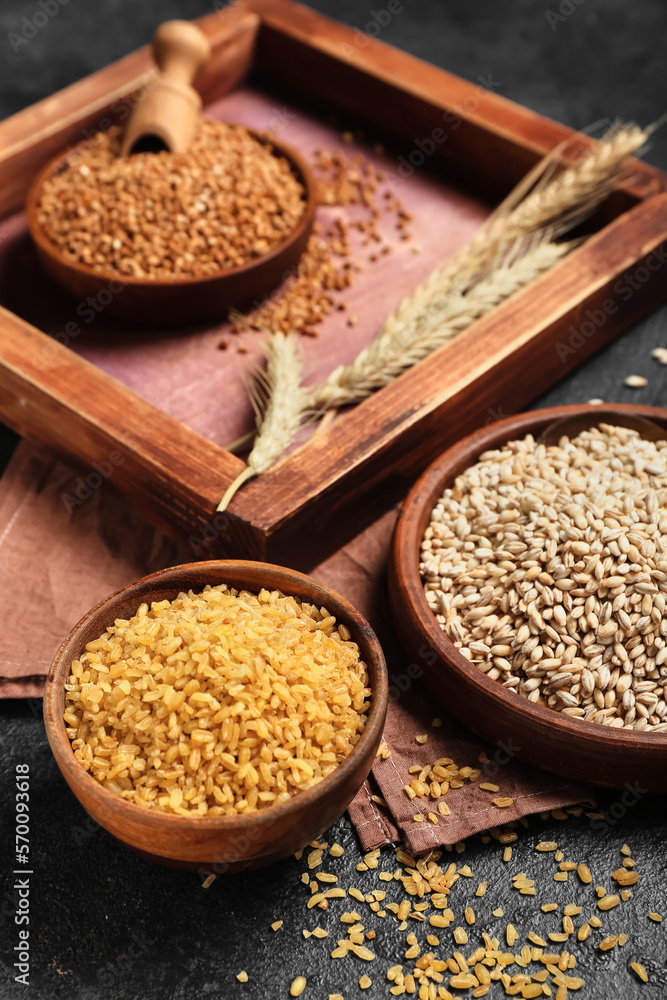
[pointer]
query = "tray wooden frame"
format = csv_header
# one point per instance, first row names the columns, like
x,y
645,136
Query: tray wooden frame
x,y
324,493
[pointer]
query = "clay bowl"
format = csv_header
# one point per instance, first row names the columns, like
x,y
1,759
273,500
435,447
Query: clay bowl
x,y
584,751
218,844
178,300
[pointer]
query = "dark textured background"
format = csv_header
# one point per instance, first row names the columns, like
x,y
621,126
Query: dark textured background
x,y
106,924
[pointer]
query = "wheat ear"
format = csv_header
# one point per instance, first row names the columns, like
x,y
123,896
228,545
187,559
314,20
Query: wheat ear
x,y
499,260
545,200
435,321
280,406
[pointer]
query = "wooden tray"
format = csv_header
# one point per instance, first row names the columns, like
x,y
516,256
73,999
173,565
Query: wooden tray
x,y
173,466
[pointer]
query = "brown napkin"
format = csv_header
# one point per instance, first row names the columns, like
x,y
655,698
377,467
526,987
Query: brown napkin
x,y
63,548
471,807
59,556
359,572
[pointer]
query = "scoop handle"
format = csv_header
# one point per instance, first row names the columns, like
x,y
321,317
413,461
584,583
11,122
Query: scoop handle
x,y
166,116
180,50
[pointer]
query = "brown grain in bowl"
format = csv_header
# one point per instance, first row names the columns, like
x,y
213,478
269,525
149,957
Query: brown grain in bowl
x,y
217,703
225,202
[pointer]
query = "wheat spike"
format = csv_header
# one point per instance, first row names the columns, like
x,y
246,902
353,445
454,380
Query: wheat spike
x,y
546,199
542,204
434,321
280,406
511,249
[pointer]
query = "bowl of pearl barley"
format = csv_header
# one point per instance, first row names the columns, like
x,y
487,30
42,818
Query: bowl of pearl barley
x,y
530,561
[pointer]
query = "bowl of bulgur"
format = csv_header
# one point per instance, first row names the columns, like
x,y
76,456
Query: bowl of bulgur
x,y
537,574
173,237
217,715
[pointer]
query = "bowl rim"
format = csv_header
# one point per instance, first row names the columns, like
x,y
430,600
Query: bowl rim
x,y
75,774
409,532
46,246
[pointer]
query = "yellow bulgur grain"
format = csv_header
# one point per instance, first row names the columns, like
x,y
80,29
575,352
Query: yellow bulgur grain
x,y
298,986
216,703
584,874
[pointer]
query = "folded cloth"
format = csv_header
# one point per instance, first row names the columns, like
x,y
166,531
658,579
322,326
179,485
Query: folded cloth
x,y
472,808
64,546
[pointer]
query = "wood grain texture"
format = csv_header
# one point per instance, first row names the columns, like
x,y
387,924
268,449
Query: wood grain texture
x,y
326,491
581,751
228,843
52,396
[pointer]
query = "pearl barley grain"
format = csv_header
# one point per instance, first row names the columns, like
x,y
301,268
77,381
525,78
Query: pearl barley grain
x,y
547,568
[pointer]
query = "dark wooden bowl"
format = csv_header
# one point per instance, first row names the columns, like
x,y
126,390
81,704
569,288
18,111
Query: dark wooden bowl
x,y
177,300
228,843
582,751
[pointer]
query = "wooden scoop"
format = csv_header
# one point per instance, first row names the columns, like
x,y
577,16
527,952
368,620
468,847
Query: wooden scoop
x,y
573,425
166,117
